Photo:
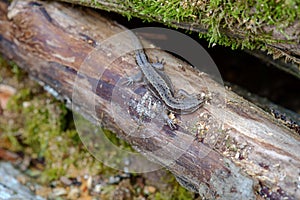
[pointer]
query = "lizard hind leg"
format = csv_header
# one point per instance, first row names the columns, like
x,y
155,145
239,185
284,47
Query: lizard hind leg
x,y
169,121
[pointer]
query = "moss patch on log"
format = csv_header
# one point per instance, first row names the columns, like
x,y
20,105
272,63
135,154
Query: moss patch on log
x,y
238,24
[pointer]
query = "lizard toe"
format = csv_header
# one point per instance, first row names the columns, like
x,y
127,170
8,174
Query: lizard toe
x,y
171,124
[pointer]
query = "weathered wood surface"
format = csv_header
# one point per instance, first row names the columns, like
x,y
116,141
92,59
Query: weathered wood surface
x,y
234,150
10,186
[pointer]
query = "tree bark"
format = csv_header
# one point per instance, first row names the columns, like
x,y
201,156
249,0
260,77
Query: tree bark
x,y
10,186
229,149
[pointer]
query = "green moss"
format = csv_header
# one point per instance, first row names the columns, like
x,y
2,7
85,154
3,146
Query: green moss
x,y
16,70
15,103
248,18
175,192
238,24
45,133
10,69
163,10
40,126
117,142
182,194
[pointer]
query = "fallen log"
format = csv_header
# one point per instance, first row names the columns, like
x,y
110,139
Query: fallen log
x,y
229,149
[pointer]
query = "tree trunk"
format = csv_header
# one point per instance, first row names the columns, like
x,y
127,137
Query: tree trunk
x,y
229,148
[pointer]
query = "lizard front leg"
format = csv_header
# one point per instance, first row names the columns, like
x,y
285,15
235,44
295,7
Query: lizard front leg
x,y
134,79
159,64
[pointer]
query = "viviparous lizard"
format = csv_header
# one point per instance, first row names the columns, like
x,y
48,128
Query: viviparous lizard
x,y
160,84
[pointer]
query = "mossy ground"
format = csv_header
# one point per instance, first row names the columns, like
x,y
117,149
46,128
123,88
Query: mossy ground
x,y
37,126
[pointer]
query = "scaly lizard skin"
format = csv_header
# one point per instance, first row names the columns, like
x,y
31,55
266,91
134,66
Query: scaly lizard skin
x,y
161,86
